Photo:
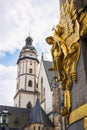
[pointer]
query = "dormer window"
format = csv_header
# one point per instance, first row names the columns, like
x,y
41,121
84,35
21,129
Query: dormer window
x,y
29,105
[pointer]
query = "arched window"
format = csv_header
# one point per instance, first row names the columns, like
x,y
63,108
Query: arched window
x,y
41,88
34,127
30,70
41,80
29,83
39,128
29,105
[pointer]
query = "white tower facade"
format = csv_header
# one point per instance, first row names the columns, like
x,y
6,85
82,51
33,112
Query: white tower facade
x,y
27,74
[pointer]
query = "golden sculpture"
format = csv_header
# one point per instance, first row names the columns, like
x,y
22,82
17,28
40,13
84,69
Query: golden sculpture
x,y
66,49
57,56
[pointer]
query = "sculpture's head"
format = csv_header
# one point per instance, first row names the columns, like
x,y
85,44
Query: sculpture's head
x,y
50,40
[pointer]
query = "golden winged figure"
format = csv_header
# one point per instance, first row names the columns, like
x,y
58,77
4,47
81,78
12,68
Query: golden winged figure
x,y
66,47
68,30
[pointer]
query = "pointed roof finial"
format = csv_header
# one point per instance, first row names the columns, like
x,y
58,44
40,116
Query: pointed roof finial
x,y
29,33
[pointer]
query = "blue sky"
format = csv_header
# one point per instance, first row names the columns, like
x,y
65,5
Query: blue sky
x,y
17,19
10,59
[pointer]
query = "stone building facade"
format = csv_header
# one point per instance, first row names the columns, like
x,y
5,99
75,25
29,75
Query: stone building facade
x,y
27,74
36,90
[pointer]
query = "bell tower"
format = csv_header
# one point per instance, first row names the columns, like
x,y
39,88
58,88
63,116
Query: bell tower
x,y
27,72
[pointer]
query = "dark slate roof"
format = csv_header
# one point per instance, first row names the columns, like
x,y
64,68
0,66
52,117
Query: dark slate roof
x,y
29,41
27,57
29,45
27,51
50,74
36,115
18,118
46,120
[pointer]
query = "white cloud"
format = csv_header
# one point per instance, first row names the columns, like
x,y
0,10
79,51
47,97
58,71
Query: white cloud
x,y
7,84
20,17
17,19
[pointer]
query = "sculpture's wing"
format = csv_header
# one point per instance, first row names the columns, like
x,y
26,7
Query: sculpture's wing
x,y
69,23
73,37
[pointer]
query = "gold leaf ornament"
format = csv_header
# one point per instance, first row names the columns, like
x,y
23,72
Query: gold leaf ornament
x,y
66,49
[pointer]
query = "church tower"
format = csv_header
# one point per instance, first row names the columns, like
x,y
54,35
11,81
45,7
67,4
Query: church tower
x,y
26,90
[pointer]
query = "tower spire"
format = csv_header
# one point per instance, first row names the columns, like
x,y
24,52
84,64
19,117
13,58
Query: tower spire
x,y
29,34
29,40
27,76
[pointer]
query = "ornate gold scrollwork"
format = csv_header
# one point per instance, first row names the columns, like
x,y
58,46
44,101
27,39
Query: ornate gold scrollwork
x,y
66,49
83,22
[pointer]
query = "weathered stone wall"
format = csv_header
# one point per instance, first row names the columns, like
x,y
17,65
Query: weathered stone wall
x,y
79,90
77,126
85,2
55,99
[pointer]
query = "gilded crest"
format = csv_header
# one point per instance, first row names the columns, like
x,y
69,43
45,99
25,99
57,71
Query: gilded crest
x,y
66,49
